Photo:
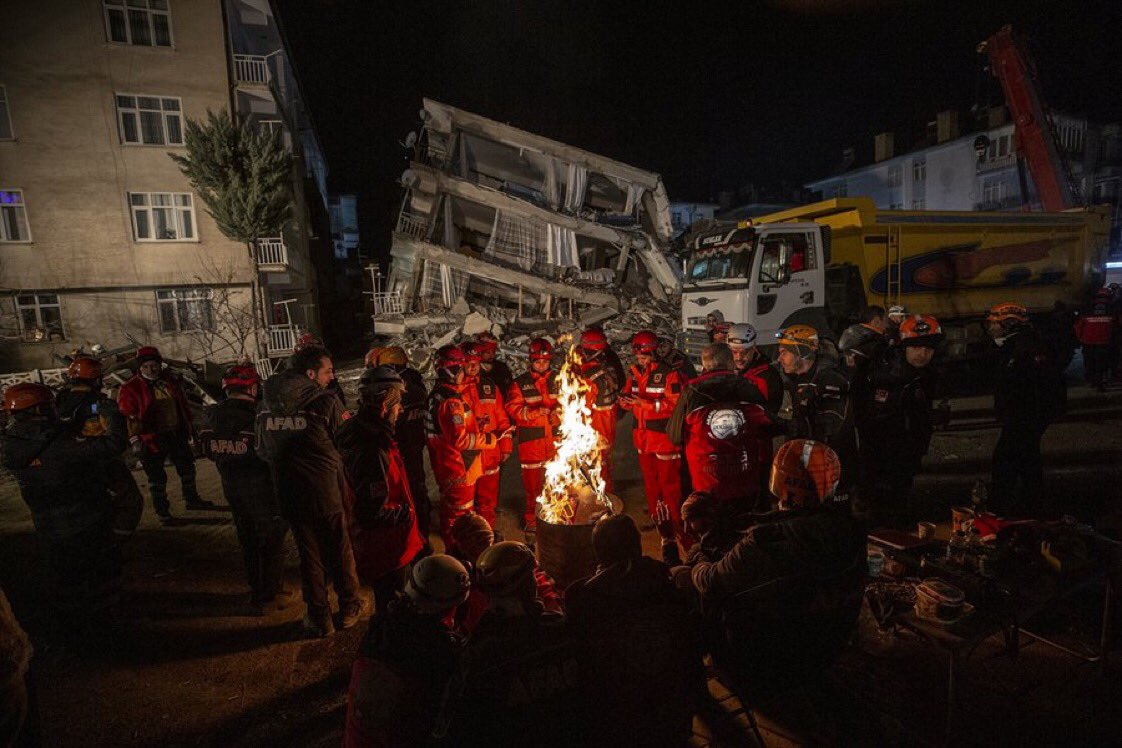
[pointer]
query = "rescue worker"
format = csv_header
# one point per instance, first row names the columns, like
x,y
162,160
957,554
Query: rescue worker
x,y
487,403
1095,332
296,427
750,363
228,438
308,341
896,316
410,432
712,522
716,327
160,428
472,536
406,659
381,518
641,655
64,479
675,359
519,676
603,396
497,370
817,400
895,420
532,406
82,402
1029,393
611,358
724,434
783,603
859,345
454,440
650,394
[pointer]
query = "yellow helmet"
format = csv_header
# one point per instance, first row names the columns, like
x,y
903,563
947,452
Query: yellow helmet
x,y
799,335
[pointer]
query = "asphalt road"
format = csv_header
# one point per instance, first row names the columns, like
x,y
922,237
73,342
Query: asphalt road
x,y
193,669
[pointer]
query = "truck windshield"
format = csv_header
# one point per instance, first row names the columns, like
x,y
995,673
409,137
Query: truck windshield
x,y
722,264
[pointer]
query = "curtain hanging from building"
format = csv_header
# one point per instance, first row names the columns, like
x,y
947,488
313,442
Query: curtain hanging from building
x,y
634,195
562,247
518,240
576,183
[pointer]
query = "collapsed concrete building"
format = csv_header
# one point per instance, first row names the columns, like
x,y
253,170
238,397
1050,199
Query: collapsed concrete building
x,y
522,227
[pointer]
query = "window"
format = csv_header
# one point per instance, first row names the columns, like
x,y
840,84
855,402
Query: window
x,y
895,206
5,117
920,204
162,216
792,253
895,176
993,192
149,120
919,170
13,217
185,309
40,317
143,22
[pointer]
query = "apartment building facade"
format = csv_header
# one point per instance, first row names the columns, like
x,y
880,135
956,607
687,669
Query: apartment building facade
x,y
103,240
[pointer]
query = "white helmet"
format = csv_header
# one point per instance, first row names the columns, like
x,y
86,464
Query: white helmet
x,y
741,335
437,583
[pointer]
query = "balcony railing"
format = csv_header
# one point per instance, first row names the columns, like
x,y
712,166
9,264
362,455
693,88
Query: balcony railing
x,y
252,69
282,339
412,224
387,302
1001,162
272,254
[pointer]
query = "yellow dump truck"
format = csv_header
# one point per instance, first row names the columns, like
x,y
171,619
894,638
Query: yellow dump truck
x,y
821,263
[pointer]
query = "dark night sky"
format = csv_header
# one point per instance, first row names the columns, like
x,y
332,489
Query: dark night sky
x,y
709,95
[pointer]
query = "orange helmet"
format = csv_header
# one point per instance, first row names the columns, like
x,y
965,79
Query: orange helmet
x,y
921,329
800,336
84,368
393,355
804,473
1008,311
27,395
540,349
644,341
370,360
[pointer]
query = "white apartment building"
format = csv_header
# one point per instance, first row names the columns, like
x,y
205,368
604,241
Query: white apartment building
x,y
102,240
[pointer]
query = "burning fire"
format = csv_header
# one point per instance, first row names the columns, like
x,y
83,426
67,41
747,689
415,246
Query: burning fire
x,y
574,487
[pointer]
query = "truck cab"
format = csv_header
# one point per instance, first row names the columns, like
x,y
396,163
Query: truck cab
x,y
769,276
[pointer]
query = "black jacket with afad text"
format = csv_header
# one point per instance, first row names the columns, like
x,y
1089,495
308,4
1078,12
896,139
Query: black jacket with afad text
x,y
296,426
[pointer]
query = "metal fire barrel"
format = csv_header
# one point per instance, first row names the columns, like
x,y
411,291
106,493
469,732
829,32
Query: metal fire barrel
x,y
565,551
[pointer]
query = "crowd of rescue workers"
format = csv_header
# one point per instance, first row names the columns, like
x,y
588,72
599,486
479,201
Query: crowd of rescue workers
x,y
763,549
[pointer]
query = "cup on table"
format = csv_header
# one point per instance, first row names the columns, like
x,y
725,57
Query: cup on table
x,y
925,530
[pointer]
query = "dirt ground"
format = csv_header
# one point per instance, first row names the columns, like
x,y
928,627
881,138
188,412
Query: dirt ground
x,y
193,669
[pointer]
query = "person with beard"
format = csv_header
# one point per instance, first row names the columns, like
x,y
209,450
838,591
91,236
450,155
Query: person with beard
x,y
750,363
297,423
381,517
489,362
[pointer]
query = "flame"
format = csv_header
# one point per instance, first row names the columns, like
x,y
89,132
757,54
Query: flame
x,y
573,476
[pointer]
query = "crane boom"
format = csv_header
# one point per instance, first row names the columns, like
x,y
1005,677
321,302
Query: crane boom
x,y
1033,136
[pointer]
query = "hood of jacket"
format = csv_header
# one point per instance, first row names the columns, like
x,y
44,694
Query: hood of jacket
x,y
25,441
720,387
289,391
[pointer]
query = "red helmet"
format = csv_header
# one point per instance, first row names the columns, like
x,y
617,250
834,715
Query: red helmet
x,y
540,349
472,352
449,358
486,341
84,368
27,395
593,339
148,353
307,340
240,375
644,341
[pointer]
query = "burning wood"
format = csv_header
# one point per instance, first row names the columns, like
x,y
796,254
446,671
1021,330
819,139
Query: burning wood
x,y
574,490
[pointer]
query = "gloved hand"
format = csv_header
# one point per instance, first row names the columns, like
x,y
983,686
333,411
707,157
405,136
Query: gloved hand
x,y
664,523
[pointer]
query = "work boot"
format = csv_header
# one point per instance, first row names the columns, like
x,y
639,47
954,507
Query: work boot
x,y
196,504
315,626
352,611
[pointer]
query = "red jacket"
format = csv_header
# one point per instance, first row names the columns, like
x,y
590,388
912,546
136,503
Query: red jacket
x,y
603,397
725,446
454,438
486,402
529,403
135,399
656,391
1094,329
376,489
